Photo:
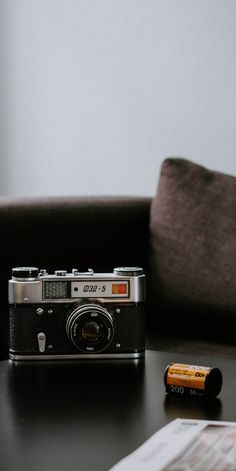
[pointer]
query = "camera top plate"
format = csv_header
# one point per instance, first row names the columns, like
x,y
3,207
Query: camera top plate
x,y
31,285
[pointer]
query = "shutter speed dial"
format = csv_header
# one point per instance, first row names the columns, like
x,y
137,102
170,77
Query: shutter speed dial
x,y
128,271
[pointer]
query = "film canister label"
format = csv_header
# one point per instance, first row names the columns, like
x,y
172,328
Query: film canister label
x,y
193,380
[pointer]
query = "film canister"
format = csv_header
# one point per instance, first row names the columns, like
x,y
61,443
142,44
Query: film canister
x,y
192,380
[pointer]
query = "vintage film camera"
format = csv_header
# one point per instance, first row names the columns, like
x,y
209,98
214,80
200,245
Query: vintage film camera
x,y
76,315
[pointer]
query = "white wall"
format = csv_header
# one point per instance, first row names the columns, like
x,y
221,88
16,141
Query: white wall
x,y
96,93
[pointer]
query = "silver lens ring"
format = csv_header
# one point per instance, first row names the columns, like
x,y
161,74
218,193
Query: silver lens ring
x,y
90,328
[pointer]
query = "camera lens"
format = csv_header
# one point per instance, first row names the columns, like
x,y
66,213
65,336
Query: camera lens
x,y
91,332
90,328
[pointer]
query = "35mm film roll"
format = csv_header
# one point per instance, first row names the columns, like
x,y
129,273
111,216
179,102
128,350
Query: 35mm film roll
x,y
192,380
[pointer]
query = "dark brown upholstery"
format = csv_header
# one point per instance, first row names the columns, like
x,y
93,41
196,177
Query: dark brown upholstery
x,y
186,245
193,249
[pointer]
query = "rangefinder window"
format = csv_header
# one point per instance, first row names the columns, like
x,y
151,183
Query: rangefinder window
x,y
56,290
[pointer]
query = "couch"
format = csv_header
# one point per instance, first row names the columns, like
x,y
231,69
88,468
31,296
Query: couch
x,y
179,236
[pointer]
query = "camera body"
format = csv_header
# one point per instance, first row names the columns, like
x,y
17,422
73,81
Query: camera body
x,y
76,315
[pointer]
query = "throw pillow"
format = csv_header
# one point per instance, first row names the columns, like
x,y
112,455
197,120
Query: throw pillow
x,y
193,247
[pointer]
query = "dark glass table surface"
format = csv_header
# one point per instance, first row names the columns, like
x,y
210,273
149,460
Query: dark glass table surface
x,y
87,415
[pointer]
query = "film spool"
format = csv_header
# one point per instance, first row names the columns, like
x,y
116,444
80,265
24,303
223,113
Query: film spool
x,y
192,380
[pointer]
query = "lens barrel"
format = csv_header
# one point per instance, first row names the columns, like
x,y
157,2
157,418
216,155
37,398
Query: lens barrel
x,y
90,328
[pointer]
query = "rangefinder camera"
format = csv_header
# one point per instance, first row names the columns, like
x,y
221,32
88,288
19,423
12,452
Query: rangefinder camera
x,y
76,315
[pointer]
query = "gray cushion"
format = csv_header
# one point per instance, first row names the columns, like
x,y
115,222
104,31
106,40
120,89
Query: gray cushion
x,y
193,246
